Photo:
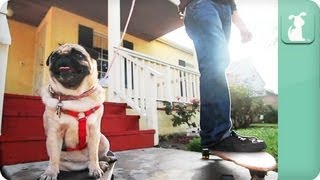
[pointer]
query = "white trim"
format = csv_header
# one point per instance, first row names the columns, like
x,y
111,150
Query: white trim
x,y
3,70
5,37
5,41
175,45
113,41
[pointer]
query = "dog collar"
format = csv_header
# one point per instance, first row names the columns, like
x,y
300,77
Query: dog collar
x,y
63,97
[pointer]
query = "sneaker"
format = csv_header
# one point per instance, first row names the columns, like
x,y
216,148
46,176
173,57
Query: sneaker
x,y
238,143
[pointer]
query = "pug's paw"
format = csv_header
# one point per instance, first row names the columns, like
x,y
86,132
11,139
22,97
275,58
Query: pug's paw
x,y
49,174
95,171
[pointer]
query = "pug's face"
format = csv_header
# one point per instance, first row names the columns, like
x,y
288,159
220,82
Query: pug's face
x,y
69,65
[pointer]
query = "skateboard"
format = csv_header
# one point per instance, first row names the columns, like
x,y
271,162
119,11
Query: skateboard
x,y
258,163
112,159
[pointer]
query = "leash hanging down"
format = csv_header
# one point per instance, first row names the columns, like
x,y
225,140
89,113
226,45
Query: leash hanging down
x,y
120,43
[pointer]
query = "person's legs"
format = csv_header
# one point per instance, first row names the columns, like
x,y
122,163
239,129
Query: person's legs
x,y
204,26
208,24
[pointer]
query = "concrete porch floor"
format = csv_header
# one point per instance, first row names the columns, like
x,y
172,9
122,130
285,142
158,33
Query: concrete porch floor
x,y
149,164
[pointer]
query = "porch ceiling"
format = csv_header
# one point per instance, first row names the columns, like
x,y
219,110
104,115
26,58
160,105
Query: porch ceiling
x,y
150,19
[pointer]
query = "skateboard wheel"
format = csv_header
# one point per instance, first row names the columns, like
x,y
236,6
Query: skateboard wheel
x,y
226,177
257,175
205,153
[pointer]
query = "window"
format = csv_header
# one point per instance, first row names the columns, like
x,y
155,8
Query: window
x,y
128,45
182,63
93,40
100,44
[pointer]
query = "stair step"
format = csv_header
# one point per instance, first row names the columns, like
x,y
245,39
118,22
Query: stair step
x,y
21,105
118,123
115,108
120,141
34,149
16,128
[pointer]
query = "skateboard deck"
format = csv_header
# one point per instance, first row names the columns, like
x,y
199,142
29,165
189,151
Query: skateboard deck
x,y
258,163
108,175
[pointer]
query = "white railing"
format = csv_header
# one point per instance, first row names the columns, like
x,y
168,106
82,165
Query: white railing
x,y
172,81
144,80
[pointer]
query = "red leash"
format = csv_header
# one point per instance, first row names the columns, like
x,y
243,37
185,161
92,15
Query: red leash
x,y
82,127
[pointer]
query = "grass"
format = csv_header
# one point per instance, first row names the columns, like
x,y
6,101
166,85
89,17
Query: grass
x,y
264,125
268,134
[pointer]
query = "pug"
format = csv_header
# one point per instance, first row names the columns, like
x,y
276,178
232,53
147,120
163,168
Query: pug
x,y
73,111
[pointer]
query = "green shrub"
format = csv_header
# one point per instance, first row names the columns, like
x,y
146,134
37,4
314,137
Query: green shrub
x,y
194,145
182,112
244,107
271,115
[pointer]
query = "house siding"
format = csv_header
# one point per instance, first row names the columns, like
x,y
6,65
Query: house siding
x,y
20,68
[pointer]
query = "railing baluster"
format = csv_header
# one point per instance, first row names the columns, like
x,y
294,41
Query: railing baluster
x,y
136,86
129,78
142,89
177,83
122,75
169,86
183,83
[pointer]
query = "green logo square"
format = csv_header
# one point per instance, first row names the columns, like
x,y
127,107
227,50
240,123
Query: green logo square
x,y
298,27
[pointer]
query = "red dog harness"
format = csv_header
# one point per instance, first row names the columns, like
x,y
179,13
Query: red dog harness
x,y
82,127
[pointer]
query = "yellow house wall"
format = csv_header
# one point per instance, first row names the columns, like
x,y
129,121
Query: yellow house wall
x,y
42,50
165,123
20,69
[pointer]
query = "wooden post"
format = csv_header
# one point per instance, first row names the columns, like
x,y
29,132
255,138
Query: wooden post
x,y
151,105
5,41
113,41
169,86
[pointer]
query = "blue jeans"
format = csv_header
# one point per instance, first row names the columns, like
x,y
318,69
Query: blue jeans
x,y
208,24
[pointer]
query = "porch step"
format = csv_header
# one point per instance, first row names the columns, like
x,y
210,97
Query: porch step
x,y
33,149
23,137
21,105
120,141
119,123
28,127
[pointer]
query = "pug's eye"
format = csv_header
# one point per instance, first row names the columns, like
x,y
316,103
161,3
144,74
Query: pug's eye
x,y
77,55
54,57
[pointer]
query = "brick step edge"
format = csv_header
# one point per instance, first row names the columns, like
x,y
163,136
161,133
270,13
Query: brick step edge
x,y
4,139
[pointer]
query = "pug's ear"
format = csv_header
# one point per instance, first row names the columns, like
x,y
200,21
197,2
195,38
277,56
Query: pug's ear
x,y
93,53
49,57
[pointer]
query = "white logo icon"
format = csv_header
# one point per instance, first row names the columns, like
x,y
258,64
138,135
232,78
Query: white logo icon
x,y
295,30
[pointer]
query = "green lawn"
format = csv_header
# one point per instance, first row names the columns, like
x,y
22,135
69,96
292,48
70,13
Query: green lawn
x,y
268,134
264,125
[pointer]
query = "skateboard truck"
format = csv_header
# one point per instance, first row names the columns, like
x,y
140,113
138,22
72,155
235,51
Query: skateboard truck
x,y
205,153
256,175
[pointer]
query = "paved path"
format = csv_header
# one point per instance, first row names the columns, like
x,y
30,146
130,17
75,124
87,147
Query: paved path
x,y
149,164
